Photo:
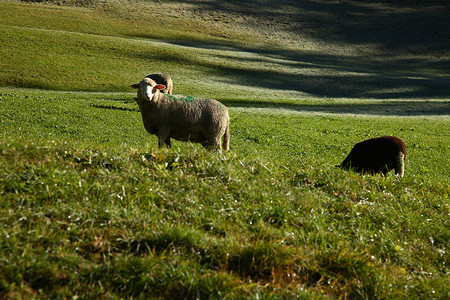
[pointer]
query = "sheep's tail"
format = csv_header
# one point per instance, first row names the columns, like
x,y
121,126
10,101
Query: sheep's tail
x,y
226,136
400,164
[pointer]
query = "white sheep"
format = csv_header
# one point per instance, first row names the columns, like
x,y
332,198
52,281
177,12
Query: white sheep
x,y
200,120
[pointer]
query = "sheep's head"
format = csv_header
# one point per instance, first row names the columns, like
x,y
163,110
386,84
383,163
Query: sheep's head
x,y
147,89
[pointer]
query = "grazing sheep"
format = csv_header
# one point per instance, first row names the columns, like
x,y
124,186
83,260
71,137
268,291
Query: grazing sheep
x,y
199,120
377,155
165,79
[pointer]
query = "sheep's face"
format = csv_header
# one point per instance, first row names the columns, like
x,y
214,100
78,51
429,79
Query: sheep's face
x,y
147,89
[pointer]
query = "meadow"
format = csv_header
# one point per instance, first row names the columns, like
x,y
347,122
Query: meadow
x,y
91,208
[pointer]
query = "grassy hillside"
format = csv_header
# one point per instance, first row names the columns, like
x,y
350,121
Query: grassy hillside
x,y
286,51
91,208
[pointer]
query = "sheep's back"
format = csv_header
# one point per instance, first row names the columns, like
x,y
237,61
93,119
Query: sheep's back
x,y
375,154
196,108
195,116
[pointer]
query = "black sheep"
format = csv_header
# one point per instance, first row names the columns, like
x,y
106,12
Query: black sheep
x,y
377,155
164,79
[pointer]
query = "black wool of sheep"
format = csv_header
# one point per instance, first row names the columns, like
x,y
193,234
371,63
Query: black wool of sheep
x,y
164,79
377,155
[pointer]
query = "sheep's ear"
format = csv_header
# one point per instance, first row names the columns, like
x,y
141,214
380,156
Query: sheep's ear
x,y
135,86
160,87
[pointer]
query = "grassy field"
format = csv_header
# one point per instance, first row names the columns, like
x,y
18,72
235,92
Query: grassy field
x,y
90,207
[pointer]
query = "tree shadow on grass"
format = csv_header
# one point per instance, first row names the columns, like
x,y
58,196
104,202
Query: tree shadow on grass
x,y
318,75
400,25
114,107
334,84
384,108
412,39
375,107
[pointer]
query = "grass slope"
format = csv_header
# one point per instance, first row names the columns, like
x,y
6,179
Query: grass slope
x,y
91,208
69,48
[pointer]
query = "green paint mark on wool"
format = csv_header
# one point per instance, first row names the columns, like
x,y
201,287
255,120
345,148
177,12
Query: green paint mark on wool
x,y
183,98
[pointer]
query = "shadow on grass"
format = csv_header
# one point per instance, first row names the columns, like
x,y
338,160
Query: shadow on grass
x,y
386,108
320,75
401,25
325,75
114,107
376,107
413,37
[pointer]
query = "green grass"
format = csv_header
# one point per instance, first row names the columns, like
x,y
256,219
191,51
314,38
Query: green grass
x,y
79,49
91,208
86,50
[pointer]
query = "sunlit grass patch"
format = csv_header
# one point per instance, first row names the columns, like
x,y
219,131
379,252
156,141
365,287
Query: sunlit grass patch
x,y
90,207
133,221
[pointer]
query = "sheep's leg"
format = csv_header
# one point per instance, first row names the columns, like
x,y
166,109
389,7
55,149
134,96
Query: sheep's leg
x,y
160,142
226,138
163,137
167,142
216,144
214,139
400,164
